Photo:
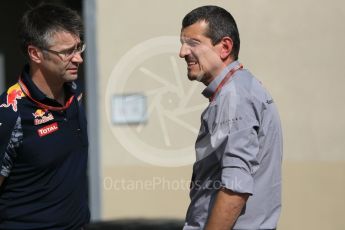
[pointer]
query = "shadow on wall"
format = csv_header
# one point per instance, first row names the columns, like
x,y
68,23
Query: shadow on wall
x,y
136,224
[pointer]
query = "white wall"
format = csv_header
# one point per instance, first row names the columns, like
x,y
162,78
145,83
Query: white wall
x,y
296,48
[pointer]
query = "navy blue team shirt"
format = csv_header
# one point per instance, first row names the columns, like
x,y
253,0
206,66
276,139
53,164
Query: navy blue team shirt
x,y
43,157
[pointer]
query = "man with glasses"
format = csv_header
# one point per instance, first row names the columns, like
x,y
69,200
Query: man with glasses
x,y
43,144
236,182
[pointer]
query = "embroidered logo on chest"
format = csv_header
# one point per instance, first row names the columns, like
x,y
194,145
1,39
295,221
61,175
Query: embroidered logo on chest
x,y
46,130
42,116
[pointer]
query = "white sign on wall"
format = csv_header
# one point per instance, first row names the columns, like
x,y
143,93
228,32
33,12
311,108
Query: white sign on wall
x,y
129,109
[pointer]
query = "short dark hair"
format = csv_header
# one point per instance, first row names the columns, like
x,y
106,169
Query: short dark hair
x,y
220,24
39,24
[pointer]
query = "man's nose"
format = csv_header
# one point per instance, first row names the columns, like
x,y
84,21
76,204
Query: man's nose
x,y
77,58
184,51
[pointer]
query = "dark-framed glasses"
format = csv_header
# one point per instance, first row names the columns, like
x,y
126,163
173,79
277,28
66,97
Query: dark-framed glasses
x,y
68,53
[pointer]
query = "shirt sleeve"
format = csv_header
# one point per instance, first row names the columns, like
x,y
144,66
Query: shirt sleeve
x,y
11,137
238,127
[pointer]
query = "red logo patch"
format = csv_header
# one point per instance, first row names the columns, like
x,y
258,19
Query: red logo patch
x,y
46,130
42,116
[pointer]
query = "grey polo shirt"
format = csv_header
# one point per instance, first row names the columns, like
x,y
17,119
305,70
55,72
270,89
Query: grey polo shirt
x,y
239,147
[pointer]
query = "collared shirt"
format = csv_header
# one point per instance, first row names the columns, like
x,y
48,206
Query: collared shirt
x,y
43,155
239,147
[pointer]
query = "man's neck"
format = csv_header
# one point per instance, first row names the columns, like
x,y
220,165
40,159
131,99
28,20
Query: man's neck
x,y
215,73
52,89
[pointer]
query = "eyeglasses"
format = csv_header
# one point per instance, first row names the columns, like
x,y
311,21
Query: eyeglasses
x,y
68,53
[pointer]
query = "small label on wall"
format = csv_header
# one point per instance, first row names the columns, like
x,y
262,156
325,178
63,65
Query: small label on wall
x,y
129,109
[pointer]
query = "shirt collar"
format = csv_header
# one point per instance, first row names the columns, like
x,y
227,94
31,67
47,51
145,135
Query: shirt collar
x,y
30,85
37,94
211,88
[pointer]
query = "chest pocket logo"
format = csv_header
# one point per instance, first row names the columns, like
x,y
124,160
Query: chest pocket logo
x,y
42,116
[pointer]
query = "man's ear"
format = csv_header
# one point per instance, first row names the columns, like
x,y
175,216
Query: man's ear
x,y
35,54
226,47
